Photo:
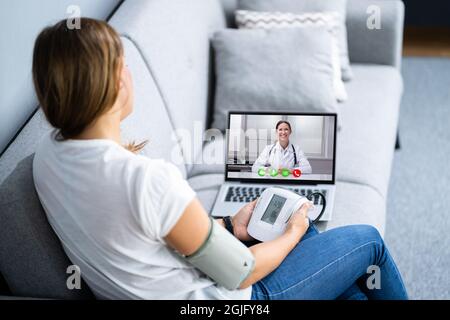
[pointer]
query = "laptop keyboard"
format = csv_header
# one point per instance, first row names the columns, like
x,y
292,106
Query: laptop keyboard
x,y
248,194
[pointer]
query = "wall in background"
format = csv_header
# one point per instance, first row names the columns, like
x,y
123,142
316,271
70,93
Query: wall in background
x,y
434,13
20,22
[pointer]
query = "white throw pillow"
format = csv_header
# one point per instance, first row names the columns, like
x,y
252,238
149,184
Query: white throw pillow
x,y
271,20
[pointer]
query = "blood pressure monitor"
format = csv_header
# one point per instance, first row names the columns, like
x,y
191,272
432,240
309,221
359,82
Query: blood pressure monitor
x,y
272,212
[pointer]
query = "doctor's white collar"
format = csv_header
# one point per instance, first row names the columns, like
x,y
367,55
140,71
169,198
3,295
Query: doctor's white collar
x,y
279,147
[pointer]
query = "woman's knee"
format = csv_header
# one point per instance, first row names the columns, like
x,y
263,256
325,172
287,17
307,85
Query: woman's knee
x,y
368,232
370,237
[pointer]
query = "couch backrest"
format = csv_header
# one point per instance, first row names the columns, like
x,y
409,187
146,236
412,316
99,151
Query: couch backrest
x,y
149,119
375,46
173,37
32,260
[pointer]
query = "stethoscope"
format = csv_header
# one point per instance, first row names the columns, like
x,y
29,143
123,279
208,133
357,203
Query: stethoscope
x,y
270,152
310,197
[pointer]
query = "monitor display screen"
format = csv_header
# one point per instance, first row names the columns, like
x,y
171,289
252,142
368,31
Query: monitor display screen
x,y
282,147
273,209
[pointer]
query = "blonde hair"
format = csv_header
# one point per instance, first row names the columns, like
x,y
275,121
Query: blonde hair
x,y
76,74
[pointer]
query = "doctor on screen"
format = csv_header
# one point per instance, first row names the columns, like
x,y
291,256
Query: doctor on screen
x,y
283,154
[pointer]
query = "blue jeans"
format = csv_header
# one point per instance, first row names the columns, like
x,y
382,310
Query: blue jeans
x,y
334,265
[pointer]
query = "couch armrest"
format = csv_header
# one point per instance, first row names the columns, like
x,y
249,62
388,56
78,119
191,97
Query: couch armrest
x,y
378,46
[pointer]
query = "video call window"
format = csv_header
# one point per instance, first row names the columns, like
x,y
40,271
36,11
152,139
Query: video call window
x,y
298,147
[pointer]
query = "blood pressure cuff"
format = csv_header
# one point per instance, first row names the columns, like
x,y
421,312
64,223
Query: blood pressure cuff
x,y
223,258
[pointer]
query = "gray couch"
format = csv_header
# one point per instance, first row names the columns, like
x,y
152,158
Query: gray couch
x,y
169,53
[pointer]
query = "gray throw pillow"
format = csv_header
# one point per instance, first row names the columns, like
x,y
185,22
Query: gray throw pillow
x,y
273,70
302,6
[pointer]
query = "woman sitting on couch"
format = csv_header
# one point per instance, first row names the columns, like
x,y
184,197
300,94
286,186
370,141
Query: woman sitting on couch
x,y
128,220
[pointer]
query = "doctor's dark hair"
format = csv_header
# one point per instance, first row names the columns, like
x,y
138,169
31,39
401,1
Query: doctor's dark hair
x,y
281,122
76,74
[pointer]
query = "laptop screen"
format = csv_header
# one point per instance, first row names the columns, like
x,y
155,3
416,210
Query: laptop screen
x,y
284,147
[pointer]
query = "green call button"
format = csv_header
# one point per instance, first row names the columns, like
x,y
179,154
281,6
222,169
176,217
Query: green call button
x,y
262,172
273,172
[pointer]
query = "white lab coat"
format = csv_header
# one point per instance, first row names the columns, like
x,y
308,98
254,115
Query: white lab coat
x,y
282,158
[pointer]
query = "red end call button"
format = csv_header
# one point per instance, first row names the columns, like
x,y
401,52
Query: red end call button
x,y
296,173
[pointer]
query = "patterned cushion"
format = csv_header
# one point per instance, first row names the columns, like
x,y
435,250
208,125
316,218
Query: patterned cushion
x,y
304,6
264,70
269,20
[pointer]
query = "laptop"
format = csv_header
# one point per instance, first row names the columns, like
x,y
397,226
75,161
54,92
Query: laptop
x,y
254,148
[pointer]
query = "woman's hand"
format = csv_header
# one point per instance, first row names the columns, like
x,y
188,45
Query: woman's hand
x,y
298,223
240,221
269,255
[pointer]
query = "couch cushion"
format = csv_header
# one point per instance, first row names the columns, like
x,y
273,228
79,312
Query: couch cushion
x,y
357,204
276,69
268,20
354,203
173,37
365,145
303,6
31,257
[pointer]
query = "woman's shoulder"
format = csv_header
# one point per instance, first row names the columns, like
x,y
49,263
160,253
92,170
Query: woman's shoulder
x,y
158,170
158,178
46,149
45,141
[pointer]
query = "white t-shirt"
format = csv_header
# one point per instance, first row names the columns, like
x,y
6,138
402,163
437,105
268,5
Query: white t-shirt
x,y
111,210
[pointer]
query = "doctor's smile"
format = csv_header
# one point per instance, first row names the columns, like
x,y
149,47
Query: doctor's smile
x,y
282,155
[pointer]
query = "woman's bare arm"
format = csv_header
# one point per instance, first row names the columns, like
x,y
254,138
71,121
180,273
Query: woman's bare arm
x,y
191,230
